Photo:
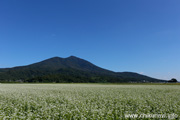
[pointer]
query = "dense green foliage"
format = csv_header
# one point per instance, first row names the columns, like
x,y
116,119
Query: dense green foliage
x,y
87,101
173,80
71,69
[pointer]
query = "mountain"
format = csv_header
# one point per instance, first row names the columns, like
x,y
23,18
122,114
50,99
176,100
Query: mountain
x,y
70,69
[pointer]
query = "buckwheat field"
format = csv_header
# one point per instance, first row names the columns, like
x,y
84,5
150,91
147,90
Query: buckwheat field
x,y
87,101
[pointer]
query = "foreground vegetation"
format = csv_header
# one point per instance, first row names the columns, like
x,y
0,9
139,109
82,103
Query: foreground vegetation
x,y
87,101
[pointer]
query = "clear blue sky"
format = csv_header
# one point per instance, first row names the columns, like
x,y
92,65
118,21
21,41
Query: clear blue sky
x,y
141,36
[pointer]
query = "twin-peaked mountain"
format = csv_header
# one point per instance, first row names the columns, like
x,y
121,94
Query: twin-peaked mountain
x,y
70,69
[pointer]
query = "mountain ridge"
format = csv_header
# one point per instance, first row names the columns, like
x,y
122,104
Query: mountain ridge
x,y
70,69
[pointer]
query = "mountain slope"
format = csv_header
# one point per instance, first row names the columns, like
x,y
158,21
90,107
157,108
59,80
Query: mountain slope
x,y
70,69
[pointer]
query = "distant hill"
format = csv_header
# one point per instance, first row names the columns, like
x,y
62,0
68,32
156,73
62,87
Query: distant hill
x,y
70,69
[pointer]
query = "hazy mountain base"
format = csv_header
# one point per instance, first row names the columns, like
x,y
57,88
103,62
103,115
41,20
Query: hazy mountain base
x,y
68,76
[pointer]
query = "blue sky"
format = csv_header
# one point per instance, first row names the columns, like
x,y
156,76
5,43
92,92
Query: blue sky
x,y
140,36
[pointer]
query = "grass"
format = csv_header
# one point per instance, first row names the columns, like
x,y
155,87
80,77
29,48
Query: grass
x,y
87,101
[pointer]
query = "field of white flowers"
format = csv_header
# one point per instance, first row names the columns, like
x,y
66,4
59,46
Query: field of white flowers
x,y
86,101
